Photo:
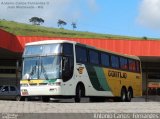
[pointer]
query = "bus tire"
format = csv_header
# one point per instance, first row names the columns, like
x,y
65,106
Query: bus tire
x,y
129,95
123,97
45,99
78,94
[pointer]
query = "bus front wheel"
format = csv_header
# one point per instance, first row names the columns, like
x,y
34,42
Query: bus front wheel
x,y
123,95
78,94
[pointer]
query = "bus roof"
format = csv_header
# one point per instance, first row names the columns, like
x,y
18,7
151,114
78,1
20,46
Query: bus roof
x,y
50,42
87,46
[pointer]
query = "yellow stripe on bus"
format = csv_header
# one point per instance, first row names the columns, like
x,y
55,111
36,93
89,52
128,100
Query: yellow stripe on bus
x,y
31,81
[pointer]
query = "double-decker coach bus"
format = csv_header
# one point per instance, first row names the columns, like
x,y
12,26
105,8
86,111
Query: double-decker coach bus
x,y
60,68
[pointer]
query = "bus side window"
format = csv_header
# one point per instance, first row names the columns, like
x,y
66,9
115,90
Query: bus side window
x,y
123,63
114,61
93,57
105,60
137,66
132,65
81,54
67,62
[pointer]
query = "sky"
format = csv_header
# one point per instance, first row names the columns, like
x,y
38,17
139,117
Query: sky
x,y
136,18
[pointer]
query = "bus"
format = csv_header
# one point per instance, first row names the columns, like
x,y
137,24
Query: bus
x,y
68,69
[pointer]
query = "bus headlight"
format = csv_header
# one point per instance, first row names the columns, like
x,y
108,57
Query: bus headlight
x,y
58,83
24,85
55,84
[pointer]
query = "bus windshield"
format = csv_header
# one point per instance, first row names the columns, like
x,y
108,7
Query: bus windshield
x,y
44,67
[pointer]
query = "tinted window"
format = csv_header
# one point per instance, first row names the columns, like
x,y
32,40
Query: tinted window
x,y
81,54
114,61
68,49
12,88
105,59
93,57
132,65
123,63
67,62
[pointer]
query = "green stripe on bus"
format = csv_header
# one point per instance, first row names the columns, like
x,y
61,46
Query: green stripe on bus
x,y
102,78
94,78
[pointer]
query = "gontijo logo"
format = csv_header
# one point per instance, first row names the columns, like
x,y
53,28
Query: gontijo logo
x,y
80,70
117,74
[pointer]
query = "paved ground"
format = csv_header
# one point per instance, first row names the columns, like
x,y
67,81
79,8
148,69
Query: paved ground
x,y
138,105
67,109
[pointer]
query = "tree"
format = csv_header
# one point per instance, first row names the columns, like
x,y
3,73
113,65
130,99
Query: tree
x,y
61,23
36,20
144,37
41,21
74,25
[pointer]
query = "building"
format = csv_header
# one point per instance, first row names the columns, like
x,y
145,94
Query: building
x,y
11,48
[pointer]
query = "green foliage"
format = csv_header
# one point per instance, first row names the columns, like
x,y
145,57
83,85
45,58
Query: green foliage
x,y
32,30
74,25
144,37
61,23
36,20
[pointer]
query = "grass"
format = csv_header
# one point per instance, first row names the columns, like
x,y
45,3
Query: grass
x,y
22,29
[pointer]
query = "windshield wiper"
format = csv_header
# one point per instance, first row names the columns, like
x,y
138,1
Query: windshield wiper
x,y
44,71
33,70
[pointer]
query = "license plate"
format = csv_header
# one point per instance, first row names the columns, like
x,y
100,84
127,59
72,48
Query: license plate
x,y
25,93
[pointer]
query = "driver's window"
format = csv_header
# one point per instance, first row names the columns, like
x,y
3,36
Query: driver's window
x,y
30,68
68,62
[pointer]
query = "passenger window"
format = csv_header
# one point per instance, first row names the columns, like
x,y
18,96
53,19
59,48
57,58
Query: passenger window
x,y
105,60
81,54
132,65
12,88
93,57
68,49
123,63
114,61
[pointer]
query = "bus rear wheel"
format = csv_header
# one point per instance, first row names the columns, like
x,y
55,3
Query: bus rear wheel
x,y
129,95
